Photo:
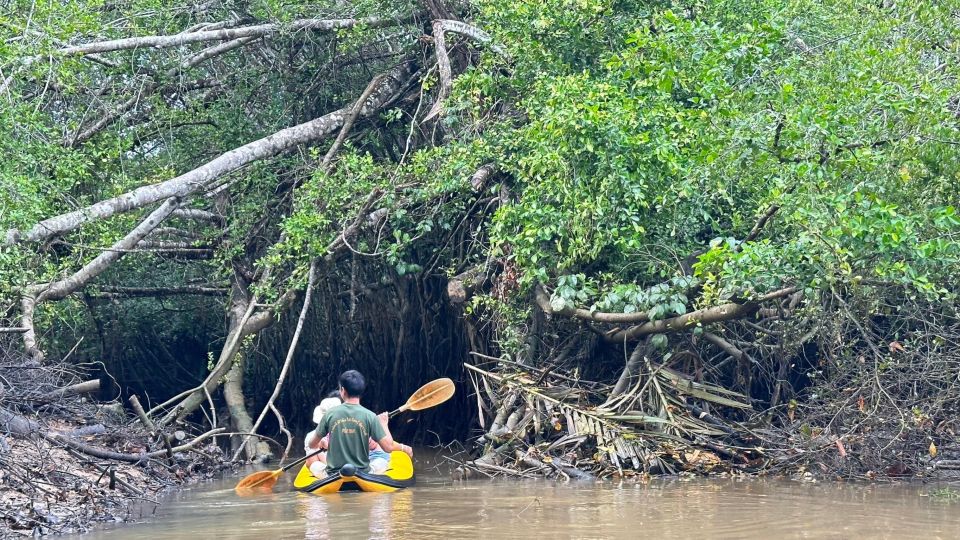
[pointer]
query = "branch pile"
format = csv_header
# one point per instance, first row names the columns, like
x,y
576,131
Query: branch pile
x,y
67,461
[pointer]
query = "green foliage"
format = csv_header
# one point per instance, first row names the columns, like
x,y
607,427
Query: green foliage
x,y
683,125
629,135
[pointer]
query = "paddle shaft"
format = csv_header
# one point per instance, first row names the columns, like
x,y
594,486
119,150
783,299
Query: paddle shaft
x,y
301,460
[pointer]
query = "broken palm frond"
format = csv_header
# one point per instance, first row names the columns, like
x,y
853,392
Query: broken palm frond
x,y
653,428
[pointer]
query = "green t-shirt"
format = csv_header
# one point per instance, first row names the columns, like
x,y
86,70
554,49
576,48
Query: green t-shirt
x,y
350,427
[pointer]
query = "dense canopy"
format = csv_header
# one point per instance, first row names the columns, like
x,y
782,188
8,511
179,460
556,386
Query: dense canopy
x,y
759,196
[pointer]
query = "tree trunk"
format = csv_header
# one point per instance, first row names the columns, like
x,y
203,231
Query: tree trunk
x,y
236,403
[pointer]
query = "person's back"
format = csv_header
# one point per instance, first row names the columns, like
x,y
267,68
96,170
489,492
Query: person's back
x,y
351,426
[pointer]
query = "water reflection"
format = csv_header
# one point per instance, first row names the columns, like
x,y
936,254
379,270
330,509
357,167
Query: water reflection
x,y
381,512
439,509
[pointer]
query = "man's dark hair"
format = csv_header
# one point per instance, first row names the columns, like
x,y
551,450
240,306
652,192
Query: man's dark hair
x,y
353,383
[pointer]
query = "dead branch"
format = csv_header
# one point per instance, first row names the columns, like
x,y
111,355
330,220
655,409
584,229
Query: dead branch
x,y
723,345
443,67
349,120
203,177
725,312
120,292
130,458
86,387
256,31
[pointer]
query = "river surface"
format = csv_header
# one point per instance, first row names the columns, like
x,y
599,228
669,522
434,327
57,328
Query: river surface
x,y
442,508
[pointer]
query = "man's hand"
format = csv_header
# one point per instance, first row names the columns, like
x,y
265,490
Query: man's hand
x,y
407,449
384,419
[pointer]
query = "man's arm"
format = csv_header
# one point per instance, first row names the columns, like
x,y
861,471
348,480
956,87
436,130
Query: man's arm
x,y
390,445
387,442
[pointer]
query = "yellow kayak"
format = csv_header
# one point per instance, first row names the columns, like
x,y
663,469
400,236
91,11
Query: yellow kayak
x,y
399,475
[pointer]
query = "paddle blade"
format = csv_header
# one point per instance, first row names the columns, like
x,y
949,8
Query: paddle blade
x,y
430,395
260,481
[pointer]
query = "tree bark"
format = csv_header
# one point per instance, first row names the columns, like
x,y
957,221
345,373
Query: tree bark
x,y
202,177
462,286
444,69
259,30
236,404
196,214
86,387
473,33
479,180
706,316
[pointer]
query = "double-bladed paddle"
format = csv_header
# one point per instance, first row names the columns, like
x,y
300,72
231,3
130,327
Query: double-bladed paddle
x,y
429,395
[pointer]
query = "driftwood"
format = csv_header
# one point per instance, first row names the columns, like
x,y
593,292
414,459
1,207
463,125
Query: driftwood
x,y
19,425
86,387
147,423
119,456
650,424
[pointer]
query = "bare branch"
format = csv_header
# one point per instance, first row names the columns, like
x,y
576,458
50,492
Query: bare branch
x,y
111,291
704,317
202,177
256,31
149,88
62,288
443,66
723,345
348,122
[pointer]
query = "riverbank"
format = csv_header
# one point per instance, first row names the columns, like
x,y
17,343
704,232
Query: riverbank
x,y
51,488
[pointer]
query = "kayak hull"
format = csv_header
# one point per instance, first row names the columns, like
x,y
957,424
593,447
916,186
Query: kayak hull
x,y
399,475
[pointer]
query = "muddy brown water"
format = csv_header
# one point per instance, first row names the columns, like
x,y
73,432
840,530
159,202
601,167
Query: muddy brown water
x,y
441,508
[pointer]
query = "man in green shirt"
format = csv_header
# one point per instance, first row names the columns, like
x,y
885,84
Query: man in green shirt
x,y
352,426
